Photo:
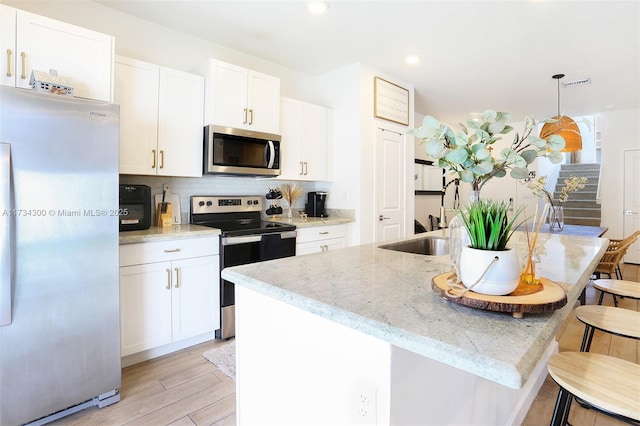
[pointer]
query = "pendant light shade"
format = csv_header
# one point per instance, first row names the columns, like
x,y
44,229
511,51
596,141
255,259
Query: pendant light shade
x,y
564,126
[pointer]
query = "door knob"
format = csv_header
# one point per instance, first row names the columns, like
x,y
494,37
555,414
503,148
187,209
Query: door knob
x,y
629,213
381,218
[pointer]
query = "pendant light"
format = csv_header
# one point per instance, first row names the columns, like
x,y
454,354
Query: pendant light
x,y
565,127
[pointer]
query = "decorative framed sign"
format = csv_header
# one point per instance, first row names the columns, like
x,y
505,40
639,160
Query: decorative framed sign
x,y
391,102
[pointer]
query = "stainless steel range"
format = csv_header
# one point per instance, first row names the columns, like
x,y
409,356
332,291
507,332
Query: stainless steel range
x,y
245,238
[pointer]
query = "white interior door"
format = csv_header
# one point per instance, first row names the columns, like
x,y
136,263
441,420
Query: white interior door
x,y
390,185
632,202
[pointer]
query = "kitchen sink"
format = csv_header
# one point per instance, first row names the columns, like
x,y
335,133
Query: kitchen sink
x,y
431,246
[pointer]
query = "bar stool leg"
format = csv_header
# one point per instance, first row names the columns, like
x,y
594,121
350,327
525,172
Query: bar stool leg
x,y
601,297
560,408
587,338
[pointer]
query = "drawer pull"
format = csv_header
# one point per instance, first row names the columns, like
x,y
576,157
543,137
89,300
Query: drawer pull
x,y
175,250
324,233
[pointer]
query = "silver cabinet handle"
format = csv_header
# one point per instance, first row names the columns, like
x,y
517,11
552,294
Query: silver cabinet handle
x,y
323,233
168,287
177,277
5,237
153,153
162,158
9,73
305,168
251,116
244,118
175,250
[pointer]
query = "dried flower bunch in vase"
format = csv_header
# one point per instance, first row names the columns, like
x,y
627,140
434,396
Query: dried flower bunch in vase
x,y
556,213
291,192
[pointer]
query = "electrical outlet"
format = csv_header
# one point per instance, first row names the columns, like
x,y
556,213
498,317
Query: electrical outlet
x,y
367,406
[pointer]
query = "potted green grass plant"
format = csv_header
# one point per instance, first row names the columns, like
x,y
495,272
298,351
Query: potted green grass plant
x,y
487,265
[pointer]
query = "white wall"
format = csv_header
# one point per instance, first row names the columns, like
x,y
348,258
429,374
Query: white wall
x,y
620,132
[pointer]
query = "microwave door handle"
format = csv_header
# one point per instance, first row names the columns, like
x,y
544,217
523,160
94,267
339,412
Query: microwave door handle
x,y
271,154
5,235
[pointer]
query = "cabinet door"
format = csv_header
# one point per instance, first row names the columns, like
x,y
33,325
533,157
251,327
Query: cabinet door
x,y
145,306
291,163
315,140
196,301
136,91
228,99
180,123
263,102
7,46
85,56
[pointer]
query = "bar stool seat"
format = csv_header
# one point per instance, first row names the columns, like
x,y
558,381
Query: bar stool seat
x,y
617,321
606,383
620,288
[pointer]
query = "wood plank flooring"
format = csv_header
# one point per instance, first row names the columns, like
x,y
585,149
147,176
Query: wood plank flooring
x,y
183,388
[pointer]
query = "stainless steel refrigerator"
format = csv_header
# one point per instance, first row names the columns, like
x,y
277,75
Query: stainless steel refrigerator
x,y
59,295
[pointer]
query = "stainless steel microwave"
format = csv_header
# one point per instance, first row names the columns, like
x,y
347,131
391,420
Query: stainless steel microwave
x,y
230,151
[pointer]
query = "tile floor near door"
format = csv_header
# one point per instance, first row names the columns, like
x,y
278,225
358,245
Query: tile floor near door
x,y
183,388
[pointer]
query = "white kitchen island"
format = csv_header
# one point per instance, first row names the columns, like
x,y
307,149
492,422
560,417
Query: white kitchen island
x,y
357,336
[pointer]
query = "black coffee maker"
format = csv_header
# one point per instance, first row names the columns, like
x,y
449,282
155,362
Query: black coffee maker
x,y
316,204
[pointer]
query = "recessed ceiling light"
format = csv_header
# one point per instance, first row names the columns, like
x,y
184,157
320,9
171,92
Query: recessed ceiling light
x,y
318,7
412,59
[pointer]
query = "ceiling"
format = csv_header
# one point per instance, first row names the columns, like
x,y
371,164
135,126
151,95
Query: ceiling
x,y
475,54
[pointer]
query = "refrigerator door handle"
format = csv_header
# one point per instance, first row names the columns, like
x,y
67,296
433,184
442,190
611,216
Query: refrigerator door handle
x,y
5,234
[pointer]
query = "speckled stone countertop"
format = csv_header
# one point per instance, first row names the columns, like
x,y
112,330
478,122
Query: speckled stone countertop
x,y
387,294
313,221
163,234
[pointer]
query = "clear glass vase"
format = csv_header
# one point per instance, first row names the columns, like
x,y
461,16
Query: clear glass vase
x,y
556,218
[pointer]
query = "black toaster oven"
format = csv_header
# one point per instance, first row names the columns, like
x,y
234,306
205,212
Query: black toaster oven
x,y
135,207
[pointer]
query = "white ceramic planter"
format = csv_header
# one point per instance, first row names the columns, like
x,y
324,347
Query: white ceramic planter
x,y
502,277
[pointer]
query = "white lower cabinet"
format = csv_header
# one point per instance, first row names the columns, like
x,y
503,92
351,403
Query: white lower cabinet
x,y
317,239
168,293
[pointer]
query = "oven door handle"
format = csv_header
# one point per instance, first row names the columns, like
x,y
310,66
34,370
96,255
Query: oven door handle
x,y
244,239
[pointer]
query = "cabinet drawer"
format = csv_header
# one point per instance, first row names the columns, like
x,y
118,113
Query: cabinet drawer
x,y
319,233
160,251
320,246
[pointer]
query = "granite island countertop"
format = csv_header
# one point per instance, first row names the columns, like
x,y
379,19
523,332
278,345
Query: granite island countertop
x,y
387,294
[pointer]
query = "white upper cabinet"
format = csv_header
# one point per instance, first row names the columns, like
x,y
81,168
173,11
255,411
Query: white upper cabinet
x,y
44,44
305,146
241,98
161,119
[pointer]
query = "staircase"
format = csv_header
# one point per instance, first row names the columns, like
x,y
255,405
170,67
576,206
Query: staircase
x,y
581,207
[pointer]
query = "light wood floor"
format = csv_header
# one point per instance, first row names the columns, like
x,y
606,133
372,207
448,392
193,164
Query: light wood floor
x,y
183,388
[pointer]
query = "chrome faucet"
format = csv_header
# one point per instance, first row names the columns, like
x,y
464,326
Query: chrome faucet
x,y
456,202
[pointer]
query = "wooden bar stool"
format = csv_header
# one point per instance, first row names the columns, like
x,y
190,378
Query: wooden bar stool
x,y
608,384
615,288
617,321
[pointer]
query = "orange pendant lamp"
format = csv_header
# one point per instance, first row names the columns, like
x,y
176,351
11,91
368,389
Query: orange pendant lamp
x,y
564,126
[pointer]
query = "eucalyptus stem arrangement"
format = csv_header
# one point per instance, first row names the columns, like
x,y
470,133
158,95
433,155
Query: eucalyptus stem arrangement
x,y
468,154
488,224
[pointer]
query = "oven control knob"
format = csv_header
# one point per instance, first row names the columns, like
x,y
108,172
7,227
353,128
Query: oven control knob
x,y
209,203
201,203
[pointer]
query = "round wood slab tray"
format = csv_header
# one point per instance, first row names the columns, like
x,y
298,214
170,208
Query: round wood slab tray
x,y
550,298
